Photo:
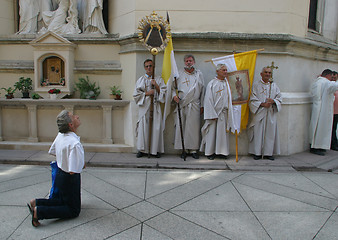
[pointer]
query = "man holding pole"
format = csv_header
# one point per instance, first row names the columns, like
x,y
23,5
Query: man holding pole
x,y
265,103
218,116
147,87
190,86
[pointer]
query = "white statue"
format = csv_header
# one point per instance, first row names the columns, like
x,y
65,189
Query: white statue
x,y
92,17
64,20
29,11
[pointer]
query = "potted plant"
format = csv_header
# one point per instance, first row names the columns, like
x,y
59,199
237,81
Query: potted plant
x,y
10,92
36,96
116,93
24,85
53,93
87,89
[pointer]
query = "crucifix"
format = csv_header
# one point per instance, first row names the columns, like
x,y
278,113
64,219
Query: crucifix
x,y
187,81
272,68
219,91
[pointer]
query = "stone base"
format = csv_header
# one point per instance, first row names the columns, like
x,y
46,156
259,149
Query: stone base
x,y
44,146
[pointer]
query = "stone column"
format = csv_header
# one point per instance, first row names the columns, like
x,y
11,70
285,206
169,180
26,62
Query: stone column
x,y
32,123
107,129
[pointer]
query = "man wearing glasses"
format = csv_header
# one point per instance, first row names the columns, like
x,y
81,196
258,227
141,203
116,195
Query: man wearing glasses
x,y
146,87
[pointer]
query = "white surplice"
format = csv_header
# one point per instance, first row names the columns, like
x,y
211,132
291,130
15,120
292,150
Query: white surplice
x,y
263,129
191,93
143,85
322,113
218,115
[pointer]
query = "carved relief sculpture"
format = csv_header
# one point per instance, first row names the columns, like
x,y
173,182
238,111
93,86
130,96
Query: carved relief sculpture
x,y
64,20
92,16
29,10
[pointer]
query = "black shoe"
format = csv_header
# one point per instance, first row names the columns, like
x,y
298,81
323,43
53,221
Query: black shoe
x,y
139,154
158,155
195,155
316,151
334,148
257,157
222,156
269,157
211,157
184,155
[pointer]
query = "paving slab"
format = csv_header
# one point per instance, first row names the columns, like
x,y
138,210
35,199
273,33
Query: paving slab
x,y
131,233
299,195
329,230
292,225
231,225
176,227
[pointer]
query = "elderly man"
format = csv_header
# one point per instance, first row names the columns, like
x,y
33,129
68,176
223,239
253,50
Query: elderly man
x,y
265,103
190,85
322,91
70,161
218,116
145,87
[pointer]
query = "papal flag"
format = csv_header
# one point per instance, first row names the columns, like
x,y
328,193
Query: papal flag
x,y
169,73
237,62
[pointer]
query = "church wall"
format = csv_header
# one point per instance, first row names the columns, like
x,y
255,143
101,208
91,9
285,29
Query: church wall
x,y
261,16
7,24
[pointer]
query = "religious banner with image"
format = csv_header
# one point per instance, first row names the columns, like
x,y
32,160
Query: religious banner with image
x,y
239,82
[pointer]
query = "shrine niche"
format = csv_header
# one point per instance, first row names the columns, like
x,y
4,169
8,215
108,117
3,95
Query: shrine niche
x,y
53,64
53,71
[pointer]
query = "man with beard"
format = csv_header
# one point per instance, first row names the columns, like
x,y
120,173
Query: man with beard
x,y
190,85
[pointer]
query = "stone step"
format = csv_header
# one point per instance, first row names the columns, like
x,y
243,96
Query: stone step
x,y
44,146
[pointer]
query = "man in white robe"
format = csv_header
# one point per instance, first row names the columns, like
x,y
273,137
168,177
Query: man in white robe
x,y
265,103
322,91
218,116
190,85
142,93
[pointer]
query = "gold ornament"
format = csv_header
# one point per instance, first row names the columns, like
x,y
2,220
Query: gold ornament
x,y
154,33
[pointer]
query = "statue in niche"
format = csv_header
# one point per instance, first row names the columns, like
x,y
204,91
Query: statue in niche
x,y
29,11
64,20
91,16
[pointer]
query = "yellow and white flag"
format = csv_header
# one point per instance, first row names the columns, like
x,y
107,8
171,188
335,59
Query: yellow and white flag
x,y
236,62
169,73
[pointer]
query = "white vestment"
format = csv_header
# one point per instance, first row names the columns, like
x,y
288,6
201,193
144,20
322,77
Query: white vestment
x,y
263,129
322,112
191,93
143,85
29,11
218,115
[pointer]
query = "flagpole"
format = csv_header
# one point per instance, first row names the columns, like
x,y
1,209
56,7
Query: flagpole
x,y
258,50
151,110
236,145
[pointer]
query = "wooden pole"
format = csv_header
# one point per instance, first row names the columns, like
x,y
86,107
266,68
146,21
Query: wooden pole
x,y
236,146
151,111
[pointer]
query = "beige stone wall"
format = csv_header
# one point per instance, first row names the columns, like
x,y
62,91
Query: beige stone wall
x,y
7,13
246,16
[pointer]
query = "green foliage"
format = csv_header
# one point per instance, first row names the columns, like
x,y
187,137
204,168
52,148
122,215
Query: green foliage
x,y
24,84
87,90
115,90
36,96
9,90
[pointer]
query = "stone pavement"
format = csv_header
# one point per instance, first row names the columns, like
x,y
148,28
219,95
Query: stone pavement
x,y
293,197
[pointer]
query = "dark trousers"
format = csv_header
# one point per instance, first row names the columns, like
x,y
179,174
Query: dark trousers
x,y
68,203
334,143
